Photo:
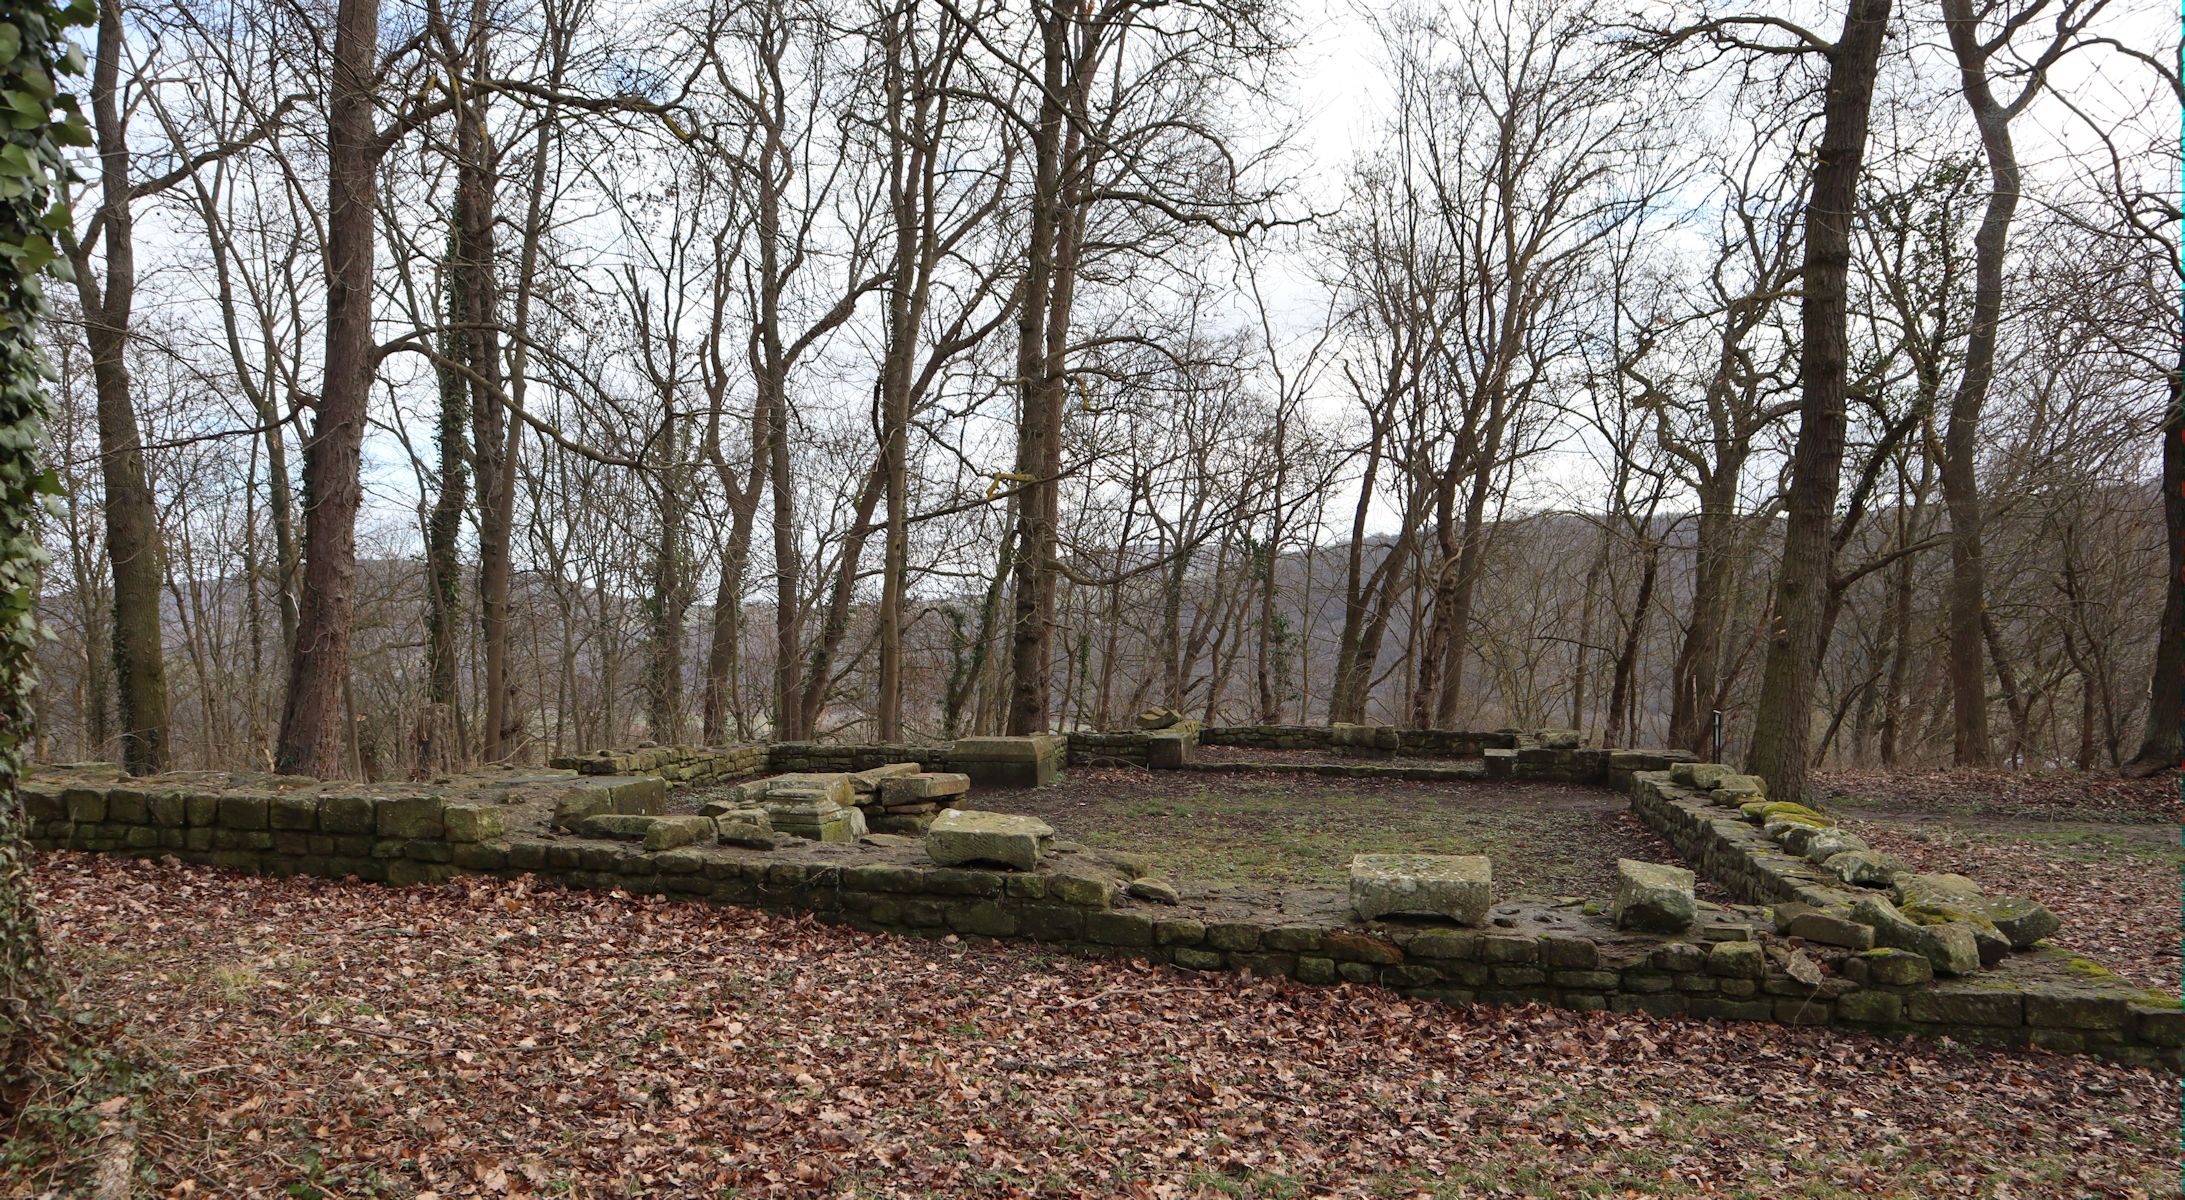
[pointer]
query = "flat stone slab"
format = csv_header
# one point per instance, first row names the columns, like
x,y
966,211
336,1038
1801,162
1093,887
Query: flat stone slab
x,y
966,835
925,785
1029,748
810,788
1456,886
1653,897
866,782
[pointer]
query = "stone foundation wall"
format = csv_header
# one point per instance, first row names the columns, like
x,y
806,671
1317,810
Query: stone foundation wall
x,y
676,764
830,756
1729,851
1730,966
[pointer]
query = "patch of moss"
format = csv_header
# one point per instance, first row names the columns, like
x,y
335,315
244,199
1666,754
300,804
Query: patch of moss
x,y
2087,966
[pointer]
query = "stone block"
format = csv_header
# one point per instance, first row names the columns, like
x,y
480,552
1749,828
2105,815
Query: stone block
x,y
868,781
1031,761
1740,789
1168,751
814,790
1155,889
246,812
1179,931
1870,1008
1501,763
1831,928
1965,1006
1158,718
1889,967
1703,776
1119,929
409,817
2063,1007
345,815
1653,897
473,822
1085,891
1864,868
1828,843
748,827
963,835
86,806
1737,960
667,833
294,813
1949,946
2022,922
1455,886
924,786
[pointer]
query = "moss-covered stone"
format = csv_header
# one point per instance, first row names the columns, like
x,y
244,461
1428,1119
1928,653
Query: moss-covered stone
x,y
1569,953
342,815
1345,945
473,822
2069,1008
409,817
245,812
1086,891
1965,1006
1178,931
1870,1007
982,917
1445,944
1736,960
1314,969
84,805
1119,928
1233,935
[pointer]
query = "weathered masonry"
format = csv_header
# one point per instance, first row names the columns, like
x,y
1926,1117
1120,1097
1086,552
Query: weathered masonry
x,y
1825,932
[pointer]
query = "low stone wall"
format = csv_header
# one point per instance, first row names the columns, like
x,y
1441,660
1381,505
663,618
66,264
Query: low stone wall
x,y
1729,965
861,756
1722,846
676,764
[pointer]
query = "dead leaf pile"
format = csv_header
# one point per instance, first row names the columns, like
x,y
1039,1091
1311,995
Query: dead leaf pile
x,y
504,1039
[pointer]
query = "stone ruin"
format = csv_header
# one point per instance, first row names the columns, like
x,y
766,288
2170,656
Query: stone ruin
x,y
1821,929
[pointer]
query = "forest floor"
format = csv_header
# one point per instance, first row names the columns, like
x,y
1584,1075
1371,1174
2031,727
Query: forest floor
x,y
309,1038
1300,831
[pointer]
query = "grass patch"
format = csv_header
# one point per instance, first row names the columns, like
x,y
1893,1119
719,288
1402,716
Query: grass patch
x,y
1303,832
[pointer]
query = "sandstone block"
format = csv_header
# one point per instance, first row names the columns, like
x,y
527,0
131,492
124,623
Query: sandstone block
x,y
815,790
667,833
1653,897
1158,718
1865,868
867,782
964,835
1456,886
1950,946
1831,929
922,787
474,822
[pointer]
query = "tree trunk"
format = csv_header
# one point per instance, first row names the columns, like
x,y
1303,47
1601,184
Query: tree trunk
x,y
1961,440
311,741
1782,721
2159,739
1043,329
132,521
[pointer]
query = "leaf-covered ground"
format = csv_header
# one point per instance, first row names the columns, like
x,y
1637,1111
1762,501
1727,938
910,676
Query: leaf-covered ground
x,y
1291,831
486,1038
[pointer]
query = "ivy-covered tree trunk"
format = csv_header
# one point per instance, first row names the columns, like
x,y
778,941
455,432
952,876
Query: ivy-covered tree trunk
x,y
29,169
